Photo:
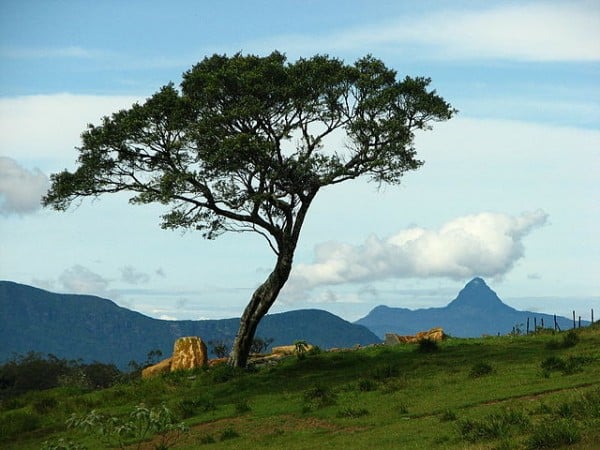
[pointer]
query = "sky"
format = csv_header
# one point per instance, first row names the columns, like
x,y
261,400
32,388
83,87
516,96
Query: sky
x,y
509,191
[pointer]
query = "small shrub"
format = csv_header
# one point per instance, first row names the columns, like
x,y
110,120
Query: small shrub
x,y
480,369
352,413
17,422
45,405
448,416
366,385
224,372
553,363
207,439
554,434
384,372
474,430
62,444
428,346
229,433
403,408
242,406
318,397
571,339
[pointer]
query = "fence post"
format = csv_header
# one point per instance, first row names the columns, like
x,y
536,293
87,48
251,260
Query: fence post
x,y
534,324
542,322
579,321
527,325
555,323
592,315
573,318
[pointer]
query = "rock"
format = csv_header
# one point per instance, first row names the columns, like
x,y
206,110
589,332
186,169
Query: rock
x,y
435,334
189,353
162,367
217,361
289,349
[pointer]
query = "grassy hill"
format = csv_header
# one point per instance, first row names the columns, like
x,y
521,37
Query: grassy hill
x,y
508,392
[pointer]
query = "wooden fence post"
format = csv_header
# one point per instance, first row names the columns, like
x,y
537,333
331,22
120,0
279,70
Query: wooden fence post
x,y
573,318
527,325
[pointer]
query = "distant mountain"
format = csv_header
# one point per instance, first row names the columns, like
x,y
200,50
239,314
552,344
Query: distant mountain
x,y
477,310
96,329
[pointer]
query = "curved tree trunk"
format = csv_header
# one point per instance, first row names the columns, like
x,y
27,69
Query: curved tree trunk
x,y
262,299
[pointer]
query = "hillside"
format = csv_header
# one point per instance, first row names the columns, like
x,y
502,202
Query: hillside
x,y
476,311
93,328
519,393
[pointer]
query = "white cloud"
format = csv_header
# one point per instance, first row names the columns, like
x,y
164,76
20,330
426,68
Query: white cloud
x,y
486,244
46,128
543,31
21,190
81,280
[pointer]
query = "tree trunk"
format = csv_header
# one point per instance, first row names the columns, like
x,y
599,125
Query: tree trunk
x,y
262,299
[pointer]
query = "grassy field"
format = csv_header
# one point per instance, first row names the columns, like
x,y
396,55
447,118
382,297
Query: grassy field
x,y
509,392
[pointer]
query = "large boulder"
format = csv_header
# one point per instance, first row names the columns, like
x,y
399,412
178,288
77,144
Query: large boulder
x,y
435,334
162,367
189,353
289,349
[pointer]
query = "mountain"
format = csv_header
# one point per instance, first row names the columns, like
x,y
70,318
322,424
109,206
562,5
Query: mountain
x,y
477,310
96,329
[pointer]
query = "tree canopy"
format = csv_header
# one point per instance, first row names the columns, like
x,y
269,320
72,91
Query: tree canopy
x,y
243,145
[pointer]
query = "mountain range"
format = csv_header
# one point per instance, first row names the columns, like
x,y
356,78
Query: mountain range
x,y
96,329
477,310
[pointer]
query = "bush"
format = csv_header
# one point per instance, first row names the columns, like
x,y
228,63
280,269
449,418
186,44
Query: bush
x,y
384,372
480,369
366,385
554,434
448,416
242,406
318,397
428,345
14,423
492,426
229,433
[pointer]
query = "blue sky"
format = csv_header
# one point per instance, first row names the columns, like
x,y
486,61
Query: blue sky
x,y
509,190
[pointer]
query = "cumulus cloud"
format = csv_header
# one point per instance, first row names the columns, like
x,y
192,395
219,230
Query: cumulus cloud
x,y
81,280
21,190
486,244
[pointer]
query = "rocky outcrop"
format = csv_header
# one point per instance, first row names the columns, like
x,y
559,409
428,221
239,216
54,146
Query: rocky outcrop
x,y
435,334
289,349
189,353
162,367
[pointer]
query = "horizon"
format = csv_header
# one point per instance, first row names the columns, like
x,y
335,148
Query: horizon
x,y
508,192
586,317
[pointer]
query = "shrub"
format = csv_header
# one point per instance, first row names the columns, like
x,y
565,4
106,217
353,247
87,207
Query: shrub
x,y
384,372
62,444
428,345
480,369
318,397
492,426
571,339
44,405
366,385
14,423
229,433
207,439
448,416
554,434
242,406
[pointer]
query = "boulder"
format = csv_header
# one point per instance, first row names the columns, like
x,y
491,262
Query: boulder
x,y
435,334
162,367
189,353
289,349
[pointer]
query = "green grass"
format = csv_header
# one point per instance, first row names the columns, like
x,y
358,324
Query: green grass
x,y
524,392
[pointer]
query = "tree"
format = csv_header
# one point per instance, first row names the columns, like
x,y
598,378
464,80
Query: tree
x,y
241,146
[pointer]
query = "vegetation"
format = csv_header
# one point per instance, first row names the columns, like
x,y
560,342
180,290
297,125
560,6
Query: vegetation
x,y
246,145
380,396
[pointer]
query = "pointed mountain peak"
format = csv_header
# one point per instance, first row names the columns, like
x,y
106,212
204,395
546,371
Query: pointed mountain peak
x,y
478,294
